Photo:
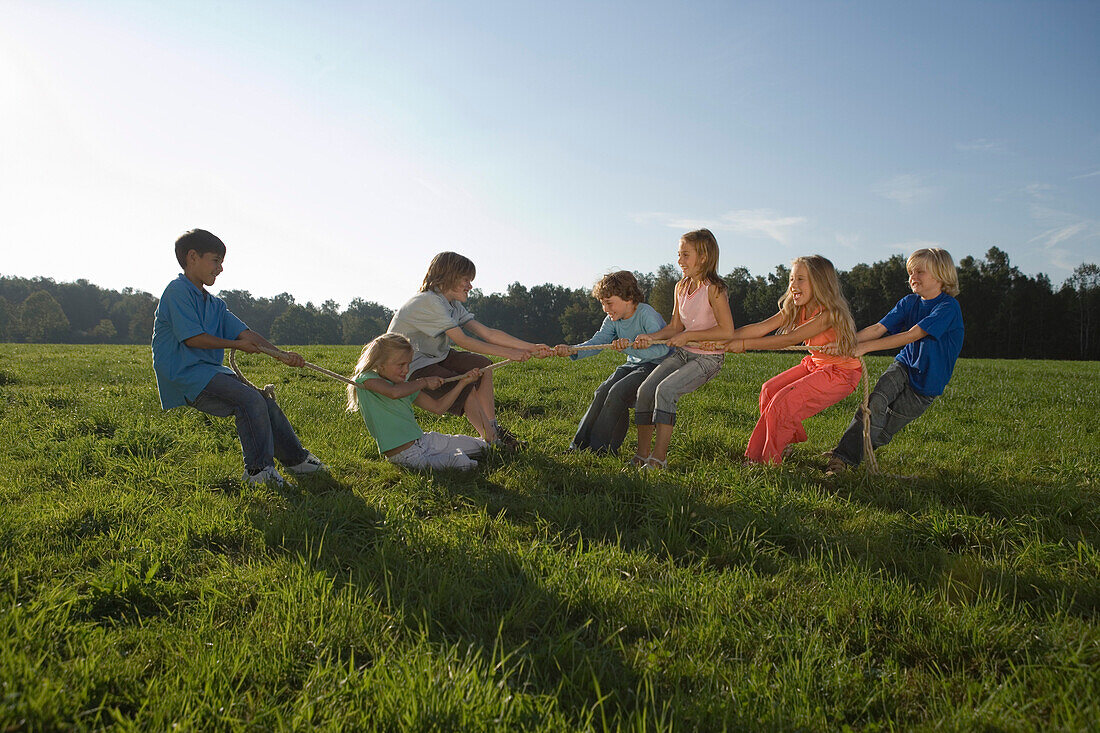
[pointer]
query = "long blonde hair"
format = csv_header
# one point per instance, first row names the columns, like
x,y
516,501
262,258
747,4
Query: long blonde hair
x,y
705,245
828,298
374,354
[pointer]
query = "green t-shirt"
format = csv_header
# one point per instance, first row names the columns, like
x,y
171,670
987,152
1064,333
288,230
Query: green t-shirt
x,y
390,422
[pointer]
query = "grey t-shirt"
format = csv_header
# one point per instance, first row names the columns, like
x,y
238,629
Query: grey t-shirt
x,y
424,320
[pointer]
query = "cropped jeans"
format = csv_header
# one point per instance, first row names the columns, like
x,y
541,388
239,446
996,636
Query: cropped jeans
x,y
603,427
679,373
893,404
263,429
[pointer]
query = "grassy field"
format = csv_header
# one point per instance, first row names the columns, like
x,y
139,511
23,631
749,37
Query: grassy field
x,y
142,586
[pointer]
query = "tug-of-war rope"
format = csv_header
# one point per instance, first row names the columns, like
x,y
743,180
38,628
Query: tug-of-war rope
x,y
868,449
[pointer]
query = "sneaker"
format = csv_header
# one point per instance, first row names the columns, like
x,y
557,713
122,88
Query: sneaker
x,y
266,475
835,466
311,464
506,439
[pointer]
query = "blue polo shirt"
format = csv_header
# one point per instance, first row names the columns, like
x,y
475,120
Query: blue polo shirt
x,y
186,310
931,359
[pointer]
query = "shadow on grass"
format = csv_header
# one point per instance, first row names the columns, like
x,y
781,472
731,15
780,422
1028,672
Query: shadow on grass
x,y
462,591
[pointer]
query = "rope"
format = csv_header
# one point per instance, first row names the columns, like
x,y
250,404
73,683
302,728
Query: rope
x,y
868,449
865,412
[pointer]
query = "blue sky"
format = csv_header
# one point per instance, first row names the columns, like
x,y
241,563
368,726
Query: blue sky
x,y
335,147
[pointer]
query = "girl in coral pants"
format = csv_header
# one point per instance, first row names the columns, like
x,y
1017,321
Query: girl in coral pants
x,y
812,312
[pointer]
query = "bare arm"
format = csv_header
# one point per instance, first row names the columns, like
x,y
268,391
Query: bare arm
x,y
872,332
396,391
756,330
495,342
807,330
439,405
915,333
722,331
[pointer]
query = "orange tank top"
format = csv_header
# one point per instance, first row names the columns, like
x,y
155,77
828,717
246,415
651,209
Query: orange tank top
x,y
822,359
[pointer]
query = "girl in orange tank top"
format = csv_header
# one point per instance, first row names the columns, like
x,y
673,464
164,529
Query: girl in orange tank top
x,y
812,312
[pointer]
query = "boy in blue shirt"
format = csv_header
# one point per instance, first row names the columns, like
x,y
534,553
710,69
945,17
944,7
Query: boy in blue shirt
x,y
604,425
928,324
191,330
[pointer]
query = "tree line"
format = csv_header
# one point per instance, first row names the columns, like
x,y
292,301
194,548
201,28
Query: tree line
x,y
1008,314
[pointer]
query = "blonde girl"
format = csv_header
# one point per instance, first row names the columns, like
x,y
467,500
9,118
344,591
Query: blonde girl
x,y
813,312
385,399
435,319
701,312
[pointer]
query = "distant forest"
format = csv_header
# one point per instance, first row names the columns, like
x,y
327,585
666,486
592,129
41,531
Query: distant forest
x,y
1007,314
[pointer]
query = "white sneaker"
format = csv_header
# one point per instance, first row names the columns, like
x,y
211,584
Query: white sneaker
x,y
267,476
311,464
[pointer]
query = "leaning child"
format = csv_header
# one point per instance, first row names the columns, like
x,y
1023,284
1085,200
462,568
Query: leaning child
x,y
700,312
385,399
812,312
191,330
605,423
928,324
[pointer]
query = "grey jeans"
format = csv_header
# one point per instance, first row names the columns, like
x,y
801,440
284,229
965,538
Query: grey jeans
x,y
893,405
679,373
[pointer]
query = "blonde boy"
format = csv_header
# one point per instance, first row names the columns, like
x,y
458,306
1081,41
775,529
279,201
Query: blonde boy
x,y
928,324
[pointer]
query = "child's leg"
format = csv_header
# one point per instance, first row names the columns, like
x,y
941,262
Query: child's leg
x,y
581,439
697,371
647,399
893,404
436,450
607,430
227,395
288,449
476,401
780,422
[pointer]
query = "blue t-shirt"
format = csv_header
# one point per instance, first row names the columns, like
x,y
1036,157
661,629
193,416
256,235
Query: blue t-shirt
x,y
644,320
186,310
930,360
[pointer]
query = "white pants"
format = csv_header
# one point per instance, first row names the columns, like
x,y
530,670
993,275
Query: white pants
x,y
437,450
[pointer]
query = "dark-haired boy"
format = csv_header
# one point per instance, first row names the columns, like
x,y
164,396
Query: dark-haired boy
x,y
191,331
604,425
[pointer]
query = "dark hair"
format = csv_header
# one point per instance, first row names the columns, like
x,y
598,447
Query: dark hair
x,y
445,270
621,283
199,240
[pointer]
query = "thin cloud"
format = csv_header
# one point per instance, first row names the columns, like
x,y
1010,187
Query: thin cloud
x,y
905,189
981,145
754,222
1085,175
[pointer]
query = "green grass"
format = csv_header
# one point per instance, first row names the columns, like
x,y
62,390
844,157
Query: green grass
x,y
143,587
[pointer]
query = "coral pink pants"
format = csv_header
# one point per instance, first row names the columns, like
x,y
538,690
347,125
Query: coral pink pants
x,y
789,398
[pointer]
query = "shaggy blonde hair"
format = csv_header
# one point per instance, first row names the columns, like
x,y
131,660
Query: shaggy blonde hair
x,y
940,266
445,270
374,354
827,296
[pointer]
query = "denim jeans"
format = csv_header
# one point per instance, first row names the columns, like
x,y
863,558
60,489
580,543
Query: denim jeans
x,y
604,425
264,431
893,405
680,372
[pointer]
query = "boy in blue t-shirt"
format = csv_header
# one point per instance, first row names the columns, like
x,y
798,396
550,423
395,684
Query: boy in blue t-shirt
x,y
604,425
191,330
928,324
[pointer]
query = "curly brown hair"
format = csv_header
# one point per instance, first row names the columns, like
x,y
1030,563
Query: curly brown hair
x,y
621,283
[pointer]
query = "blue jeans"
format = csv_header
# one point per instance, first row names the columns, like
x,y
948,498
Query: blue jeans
x,y
264,431
604,425
893,405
